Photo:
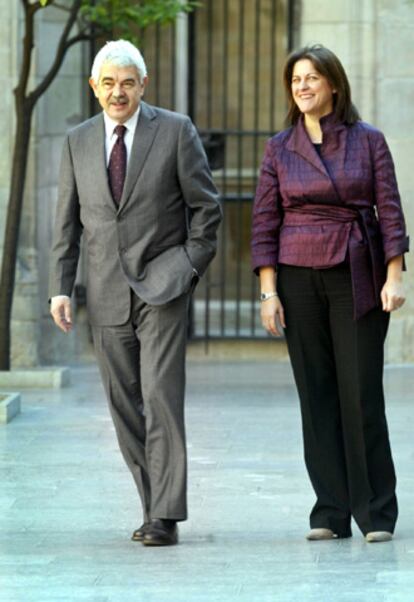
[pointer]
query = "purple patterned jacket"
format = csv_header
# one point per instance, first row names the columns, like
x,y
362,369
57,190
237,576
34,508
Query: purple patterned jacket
x,y
312,213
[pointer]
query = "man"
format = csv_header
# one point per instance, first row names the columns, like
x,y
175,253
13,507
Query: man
x,y
136,182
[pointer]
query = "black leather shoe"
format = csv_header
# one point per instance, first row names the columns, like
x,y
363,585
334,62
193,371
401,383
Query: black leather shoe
x,y
161,532
138,534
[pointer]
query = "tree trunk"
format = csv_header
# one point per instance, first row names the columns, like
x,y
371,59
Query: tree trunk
x,y
24,112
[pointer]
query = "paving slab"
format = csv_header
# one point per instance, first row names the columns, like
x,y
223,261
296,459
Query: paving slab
x,y
68,505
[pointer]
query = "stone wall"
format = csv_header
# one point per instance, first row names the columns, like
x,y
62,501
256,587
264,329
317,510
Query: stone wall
x,y
373,39
64,105
8,59
34,340
25,317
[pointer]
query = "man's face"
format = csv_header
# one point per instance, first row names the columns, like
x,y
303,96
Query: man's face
x,y
119,91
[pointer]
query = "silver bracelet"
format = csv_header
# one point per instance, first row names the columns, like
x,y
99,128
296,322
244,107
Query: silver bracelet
x,y
266,296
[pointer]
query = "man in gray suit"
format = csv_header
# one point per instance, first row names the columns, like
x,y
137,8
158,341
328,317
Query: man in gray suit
x,y
135,181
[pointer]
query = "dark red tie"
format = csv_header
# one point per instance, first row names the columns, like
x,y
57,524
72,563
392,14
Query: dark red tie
x,y
118,164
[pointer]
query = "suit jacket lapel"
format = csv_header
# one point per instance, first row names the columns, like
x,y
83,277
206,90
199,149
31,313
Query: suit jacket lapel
x,y
143,139
97,159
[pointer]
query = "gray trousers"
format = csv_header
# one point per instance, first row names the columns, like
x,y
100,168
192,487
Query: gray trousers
x,y
142,364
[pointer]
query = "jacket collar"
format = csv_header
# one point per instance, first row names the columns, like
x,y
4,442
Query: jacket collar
x,y
300,143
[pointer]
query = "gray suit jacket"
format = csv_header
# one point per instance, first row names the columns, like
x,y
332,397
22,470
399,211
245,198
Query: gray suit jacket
x,y
162,233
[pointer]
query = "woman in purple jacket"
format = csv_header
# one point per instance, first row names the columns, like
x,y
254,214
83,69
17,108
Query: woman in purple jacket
x,y
328,244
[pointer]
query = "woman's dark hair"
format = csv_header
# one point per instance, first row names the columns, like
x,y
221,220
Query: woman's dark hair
x,y
327,64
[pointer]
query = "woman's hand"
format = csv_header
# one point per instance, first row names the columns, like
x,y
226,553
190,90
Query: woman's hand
x,y
392,295
273,316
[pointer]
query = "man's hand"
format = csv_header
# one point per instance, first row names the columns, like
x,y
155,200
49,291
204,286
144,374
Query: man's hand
x,y
61,311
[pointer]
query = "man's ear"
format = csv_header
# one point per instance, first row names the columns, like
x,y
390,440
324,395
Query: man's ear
x,y
144,84
93,86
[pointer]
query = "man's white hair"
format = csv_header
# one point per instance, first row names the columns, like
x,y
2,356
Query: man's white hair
x,y
120,53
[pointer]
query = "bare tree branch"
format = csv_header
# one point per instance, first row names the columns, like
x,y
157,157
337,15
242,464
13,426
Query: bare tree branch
x,y
36,5
60,52
28,44
84,37
61,7
30,10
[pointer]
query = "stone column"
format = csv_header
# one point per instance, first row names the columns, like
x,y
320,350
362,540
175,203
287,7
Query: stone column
x,y
395,117
373,39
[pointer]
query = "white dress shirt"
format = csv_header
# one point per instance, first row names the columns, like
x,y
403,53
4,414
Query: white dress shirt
x,y
111,137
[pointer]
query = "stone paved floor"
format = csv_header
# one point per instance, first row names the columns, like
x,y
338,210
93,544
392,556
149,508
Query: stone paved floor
x,y
68,505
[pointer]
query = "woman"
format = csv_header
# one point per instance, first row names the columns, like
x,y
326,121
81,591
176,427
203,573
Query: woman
x,y
328,244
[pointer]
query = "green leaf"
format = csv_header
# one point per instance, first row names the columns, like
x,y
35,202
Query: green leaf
x,y
128,16
43,2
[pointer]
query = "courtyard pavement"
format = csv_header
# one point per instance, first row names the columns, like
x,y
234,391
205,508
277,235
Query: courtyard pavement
x,y
68,505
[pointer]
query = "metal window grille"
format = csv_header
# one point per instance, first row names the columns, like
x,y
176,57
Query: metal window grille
x,y
236,50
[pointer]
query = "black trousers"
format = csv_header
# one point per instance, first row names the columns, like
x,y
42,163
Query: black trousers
x,y
338,368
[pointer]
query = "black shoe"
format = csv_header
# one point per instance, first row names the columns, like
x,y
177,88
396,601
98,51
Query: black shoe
x,y
138,534
161,532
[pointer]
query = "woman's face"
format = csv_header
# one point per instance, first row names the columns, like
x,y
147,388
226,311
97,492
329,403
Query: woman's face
x,y
311,91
